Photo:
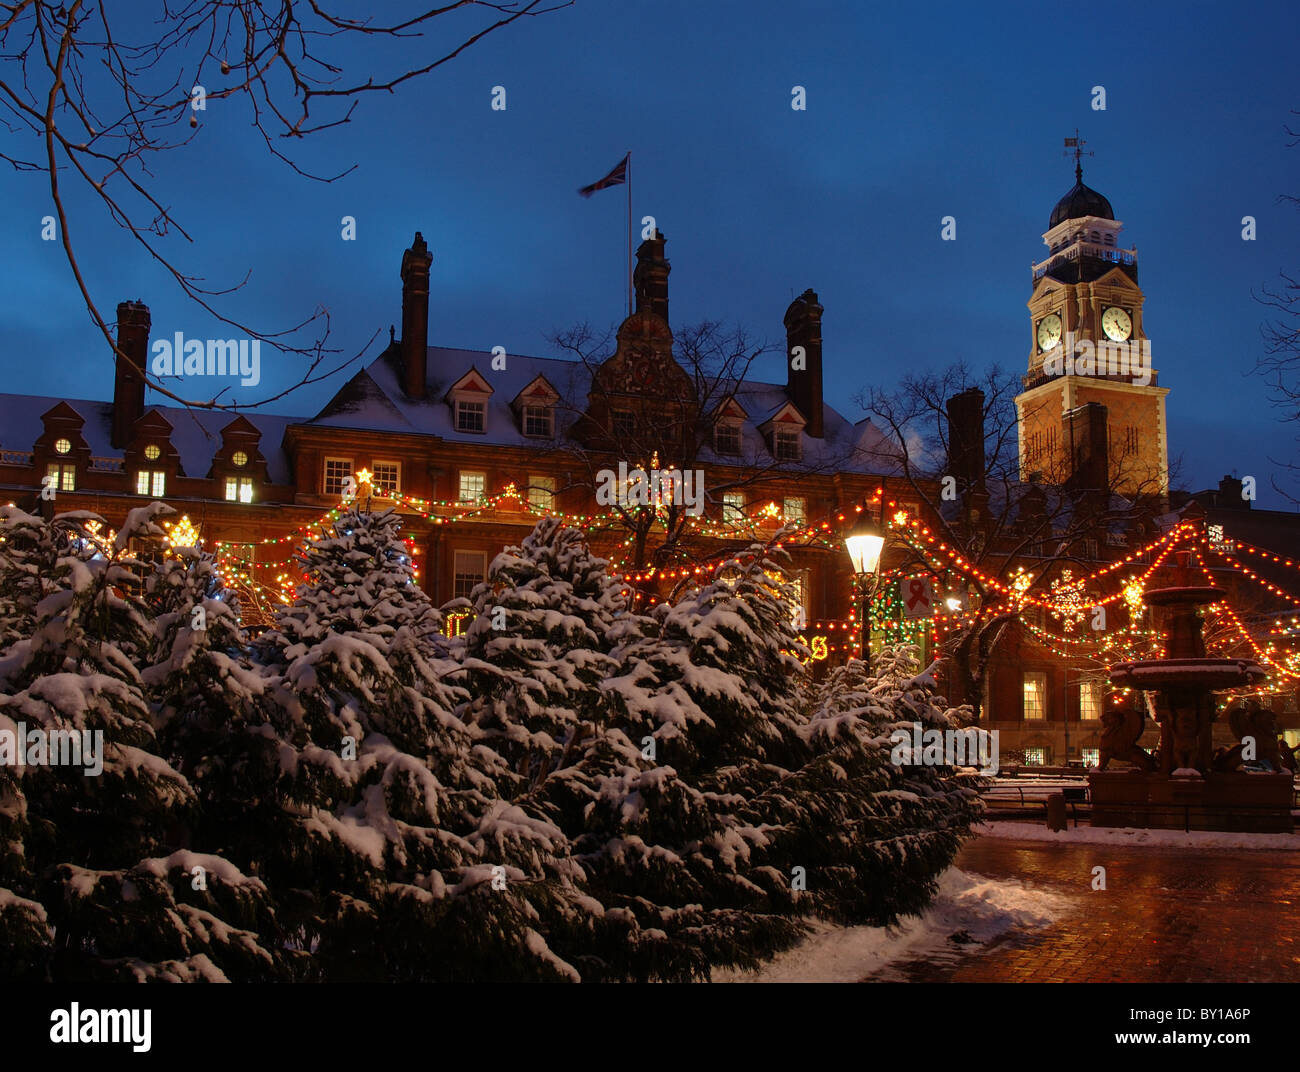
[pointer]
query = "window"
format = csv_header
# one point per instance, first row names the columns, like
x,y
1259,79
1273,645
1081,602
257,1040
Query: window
x,y
473,486
152,452
1035,696
239,459
795,508
623,423
62,446
337,473
387,479
1091,757
1090,700
239,489
537,421
468,573
150,482
470,415
1035,757
541,492
733,507
65,476
785,445
726,438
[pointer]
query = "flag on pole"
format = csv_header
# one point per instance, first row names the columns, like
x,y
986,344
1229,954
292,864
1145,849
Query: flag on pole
x,y
616,177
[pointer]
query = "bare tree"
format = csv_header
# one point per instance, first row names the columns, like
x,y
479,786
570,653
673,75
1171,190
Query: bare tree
x,y
1280,364
669,424
101,108
1020,537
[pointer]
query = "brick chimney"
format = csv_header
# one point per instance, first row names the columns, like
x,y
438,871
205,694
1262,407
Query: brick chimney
x,y
415,317
1087,429
128,378
650,278
966,439
803,327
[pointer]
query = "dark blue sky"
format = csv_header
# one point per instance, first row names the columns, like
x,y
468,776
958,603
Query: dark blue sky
x,y
914,112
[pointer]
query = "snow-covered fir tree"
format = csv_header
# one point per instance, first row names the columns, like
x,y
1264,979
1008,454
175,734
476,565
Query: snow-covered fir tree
x,y
410,867
96,880
705,730
873,835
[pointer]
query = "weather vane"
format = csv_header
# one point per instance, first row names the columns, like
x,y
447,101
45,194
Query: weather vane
x,y
1077,143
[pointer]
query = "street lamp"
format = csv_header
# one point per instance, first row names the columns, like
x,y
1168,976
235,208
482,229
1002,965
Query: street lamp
x,y
865,542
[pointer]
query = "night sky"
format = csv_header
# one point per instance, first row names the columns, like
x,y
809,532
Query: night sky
x,y
914,112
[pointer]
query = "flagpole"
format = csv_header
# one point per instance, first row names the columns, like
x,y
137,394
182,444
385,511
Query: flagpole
x,y
630,285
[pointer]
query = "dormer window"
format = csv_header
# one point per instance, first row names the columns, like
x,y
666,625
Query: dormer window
x,y
470,416
62,446
785,444
469,398
623,423
539,422
726,437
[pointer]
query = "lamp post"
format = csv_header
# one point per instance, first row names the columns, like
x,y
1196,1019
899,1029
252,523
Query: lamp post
x,y
865,542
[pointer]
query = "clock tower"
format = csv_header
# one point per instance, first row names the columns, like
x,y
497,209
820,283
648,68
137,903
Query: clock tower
x,y
1089,348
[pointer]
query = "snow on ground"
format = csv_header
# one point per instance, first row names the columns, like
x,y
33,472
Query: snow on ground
x,y
1089,835
983,908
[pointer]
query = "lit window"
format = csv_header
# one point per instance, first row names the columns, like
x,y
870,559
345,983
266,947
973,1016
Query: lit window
x,y
795,508
387,479
152,452
1091,757
733,507
337,472
1035,757
470,416
785,445
623,423
798,615
239,489
65,476
1035,696
537,421
726,438
541,492
239,459
62,446
150,482
1090,700
473,486
468,573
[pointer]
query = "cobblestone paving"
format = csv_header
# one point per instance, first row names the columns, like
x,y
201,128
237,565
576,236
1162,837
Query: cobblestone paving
x,y
1167,915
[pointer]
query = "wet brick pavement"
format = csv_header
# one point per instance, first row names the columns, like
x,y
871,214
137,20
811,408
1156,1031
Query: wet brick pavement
x,y
1167,915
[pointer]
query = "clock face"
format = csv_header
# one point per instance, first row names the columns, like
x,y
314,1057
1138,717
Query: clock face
x,y
1116,324
1049,331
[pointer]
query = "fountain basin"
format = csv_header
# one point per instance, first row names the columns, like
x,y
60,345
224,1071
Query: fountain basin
x,y
1183,673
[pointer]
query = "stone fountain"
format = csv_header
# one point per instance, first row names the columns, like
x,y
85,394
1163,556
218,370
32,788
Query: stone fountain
x,y
1182,786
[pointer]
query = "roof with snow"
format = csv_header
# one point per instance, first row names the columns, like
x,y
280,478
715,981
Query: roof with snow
x,y
196,434
374,400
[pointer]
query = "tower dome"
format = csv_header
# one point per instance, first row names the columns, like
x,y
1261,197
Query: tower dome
x,y
1080,201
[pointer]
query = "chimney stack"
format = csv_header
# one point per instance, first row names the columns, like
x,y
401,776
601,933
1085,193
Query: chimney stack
x,y
803,327
133,324
1088,430
966,439
650,278
415,317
